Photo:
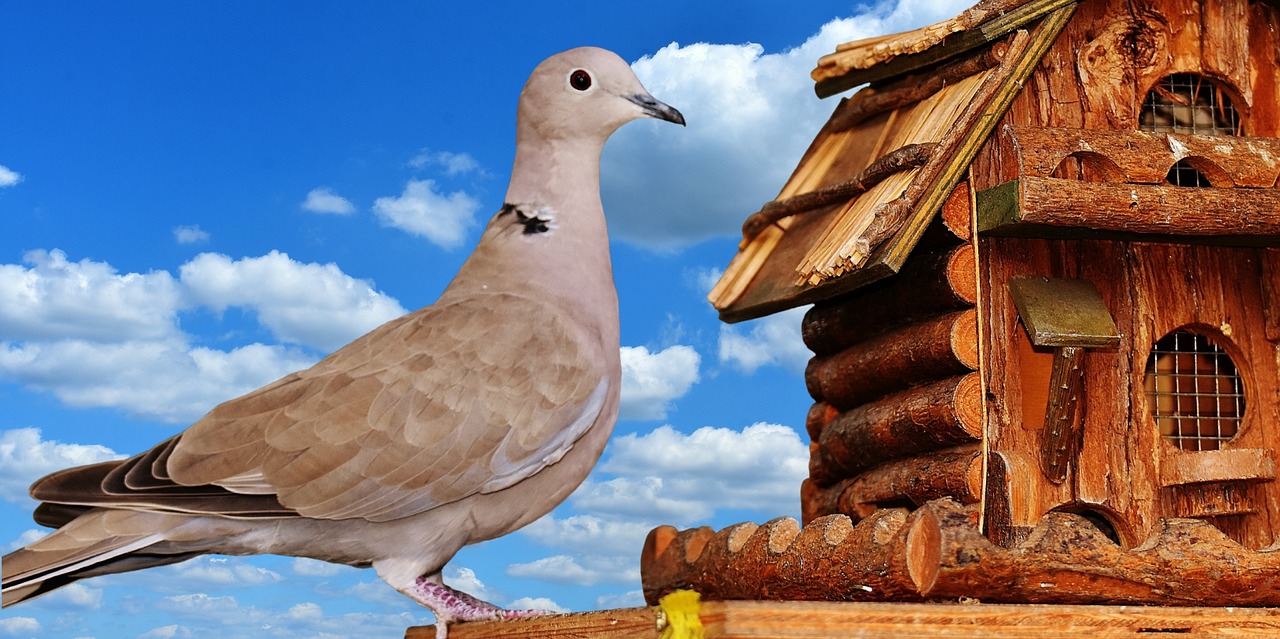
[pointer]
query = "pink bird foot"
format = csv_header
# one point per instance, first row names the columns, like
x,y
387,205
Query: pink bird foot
x,y
451,605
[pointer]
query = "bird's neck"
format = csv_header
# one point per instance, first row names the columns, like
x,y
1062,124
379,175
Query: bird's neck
x,y
570,262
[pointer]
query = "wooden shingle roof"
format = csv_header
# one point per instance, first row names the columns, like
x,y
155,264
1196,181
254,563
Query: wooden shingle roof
x,y
881,168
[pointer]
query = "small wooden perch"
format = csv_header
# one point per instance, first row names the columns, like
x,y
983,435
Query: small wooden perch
x,y
918,420
1051,207
939,347
909,156
932,284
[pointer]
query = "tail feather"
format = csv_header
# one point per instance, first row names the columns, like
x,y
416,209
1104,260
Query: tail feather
x,y
99,542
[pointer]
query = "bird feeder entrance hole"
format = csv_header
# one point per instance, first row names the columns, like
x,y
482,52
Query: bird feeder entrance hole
x,y
1194,391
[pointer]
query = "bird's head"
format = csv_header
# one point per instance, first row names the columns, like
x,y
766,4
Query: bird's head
x,y
587,92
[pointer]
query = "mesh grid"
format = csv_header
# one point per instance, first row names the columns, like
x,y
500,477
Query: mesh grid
x,y
1183,174
1193,391
1188,103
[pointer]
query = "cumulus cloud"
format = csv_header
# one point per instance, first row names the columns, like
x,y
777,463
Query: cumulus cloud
x,y
750,114
537,603
310,304
451,163
166,380
223,571
421,210
19,626
26,456
466,580
8,177
686,477
171,631
651,381
190,234
315,568
95,337
771,340
563,569
324,200
53,297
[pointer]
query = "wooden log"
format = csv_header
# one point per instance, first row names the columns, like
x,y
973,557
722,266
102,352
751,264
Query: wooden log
x,y
829,559
918,420
957,212
1143,157
1060,437
1067,559
820,414
954,473
874,100
926,351
1051,207
930,284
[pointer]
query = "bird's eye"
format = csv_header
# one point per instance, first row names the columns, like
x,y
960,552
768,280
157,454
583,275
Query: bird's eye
x,y
580,80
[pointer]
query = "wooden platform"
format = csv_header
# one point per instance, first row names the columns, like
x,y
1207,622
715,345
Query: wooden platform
x,y
794,619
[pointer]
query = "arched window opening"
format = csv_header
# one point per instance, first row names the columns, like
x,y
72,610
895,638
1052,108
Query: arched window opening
x,y
1194,391
1188,103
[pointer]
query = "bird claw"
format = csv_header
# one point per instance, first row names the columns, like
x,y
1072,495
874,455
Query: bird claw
x,y
451,605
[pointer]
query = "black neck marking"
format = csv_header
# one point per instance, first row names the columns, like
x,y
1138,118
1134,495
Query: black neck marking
x,y
532,223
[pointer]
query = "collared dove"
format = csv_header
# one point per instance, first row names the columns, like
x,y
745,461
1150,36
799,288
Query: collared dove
x,y
457,423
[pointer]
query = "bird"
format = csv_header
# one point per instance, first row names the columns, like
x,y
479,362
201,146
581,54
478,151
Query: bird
x,y
454,424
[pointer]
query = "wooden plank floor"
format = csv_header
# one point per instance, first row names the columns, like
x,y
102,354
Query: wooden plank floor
x,y
817,620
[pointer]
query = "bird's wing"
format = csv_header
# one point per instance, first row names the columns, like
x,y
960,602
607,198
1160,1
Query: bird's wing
x,y
455,399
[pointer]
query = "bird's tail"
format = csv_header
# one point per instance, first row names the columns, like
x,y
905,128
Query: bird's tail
x,y
97,542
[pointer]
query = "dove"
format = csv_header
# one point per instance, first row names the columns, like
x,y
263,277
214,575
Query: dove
x,y
457,423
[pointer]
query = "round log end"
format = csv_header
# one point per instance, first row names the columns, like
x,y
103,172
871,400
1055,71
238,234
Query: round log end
x,y
656,543
924,551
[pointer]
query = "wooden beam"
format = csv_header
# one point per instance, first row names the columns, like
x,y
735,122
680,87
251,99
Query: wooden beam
x,y
955,473
1055,208
872,620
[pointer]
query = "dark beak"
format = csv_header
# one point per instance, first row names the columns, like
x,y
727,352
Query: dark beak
x,y
656,109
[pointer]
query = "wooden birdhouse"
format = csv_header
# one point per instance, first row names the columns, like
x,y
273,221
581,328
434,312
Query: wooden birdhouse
x,y
1040,248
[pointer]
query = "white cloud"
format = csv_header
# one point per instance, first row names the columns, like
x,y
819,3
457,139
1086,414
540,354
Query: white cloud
x,y
452,163
703,279
563,569
19,626
223,571
750,117
25,457
190,234
167,380
771,340
686,477
52,297
202,606
420,210
312,304
651,381
628,599
8,177
305,611
171,631
465,579
589,531
324,200
316,568
537,603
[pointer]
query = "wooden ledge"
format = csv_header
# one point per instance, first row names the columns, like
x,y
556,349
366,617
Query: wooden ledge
x,y
814,620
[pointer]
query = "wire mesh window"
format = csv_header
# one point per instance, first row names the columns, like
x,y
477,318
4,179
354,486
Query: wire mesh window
x,y
1183,174
1188,103
1194,391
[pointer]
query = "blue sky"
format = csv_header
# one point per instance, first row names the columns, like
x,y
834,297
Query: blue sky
x,y
197,198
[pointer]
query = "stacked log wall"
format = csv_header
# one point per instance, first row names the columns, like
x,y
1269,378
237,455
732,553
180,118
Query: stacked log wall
x,y
898,405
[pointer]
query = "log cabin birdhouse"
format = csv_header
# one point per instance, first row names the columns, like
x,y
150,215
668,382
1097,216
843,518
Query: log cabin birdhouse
x,y
1040,244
